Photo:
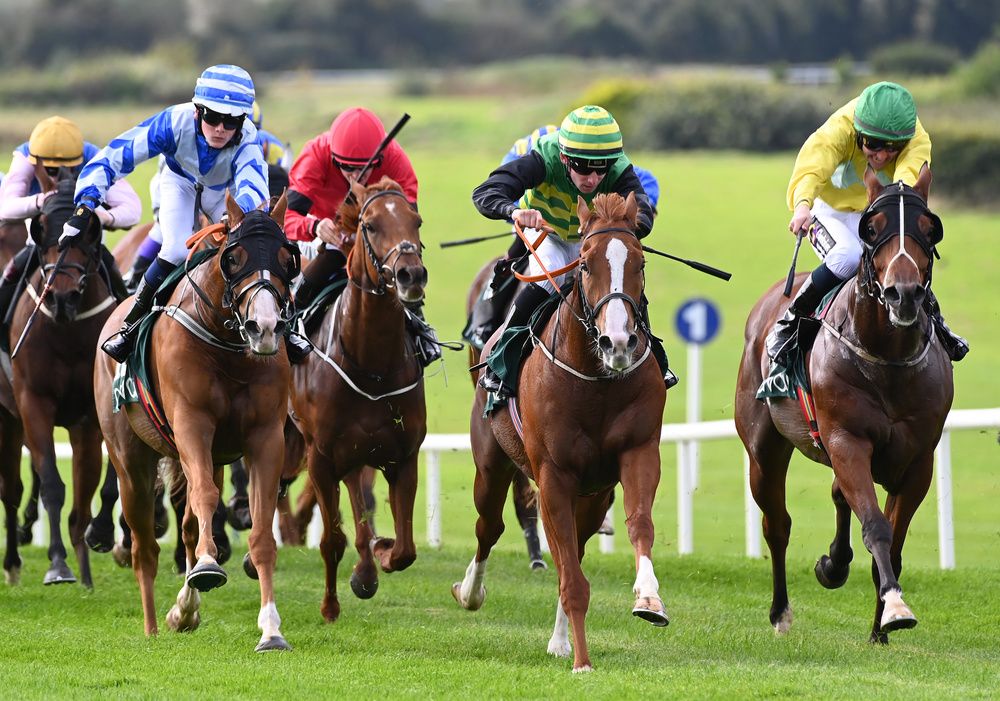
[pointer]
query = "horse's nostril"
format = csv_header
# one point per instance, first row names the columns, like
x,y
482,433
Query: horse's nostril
x,y
891,295
279,328
604,343
403,277
252,328
633,342
423,276
918,295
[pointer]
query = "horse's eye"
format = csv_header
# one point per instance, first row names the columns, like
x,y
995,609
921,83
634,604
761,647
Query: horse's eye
x,y
583,267
229,263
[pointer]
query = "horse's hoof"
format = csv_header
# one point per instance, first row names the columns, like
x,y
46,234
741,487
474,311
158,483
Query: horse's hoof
x,y
473,604
896,615
901,623
249,569
275,642
24,535
362,590
582,669
206,576
12,576
121,555
59,574
182,623
783,623
651,609
223,550
827,574
238,514
539,565
99,536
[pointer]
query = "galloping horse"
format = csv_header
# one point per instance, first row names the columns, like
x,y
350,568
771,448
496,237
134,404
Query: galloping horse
x,y
523,494
51,375
588,414
359,397
882,387
222,384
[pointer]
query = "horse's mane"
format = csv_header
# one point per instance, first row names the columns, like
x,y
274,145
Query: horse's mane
x,y
609,206
350,209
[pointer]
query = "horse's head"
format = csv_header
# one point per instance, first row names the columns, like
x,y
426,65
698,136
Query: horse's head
x,y
258,265
388,229
611,277
899,234
69,270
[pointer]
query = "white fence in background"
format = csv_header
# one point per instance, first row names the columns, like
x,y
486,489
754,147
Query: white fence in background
x,y
684,435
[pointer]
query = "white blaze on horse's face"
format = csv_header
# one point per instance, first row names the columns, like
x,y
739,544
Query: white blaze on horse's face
x,y
263,317
617,350
903,289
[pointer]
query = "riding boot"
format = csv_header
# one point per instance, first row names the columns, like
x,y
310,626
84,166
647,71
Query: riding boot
x,y
656,347
816,286
520,313
118,287
954,345
492,304
135,273
425,339
120,345
13,273
317,275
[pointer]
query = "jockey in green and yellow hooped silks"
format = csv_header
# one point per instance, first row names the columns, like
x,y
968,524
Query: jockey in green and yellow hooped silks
x,y
880,129
584,158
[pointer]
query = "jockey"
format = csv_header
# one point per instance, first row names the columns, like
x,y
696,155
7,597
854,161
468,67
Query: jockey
x,y
320,180
583,158
209,147
496,297
56,150
278,156
826,193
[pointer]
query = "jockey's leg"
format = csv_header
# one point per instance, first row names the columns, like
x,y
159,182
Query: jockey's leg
x,y
424,337
821,281
143,259
954,345
520,312
19,267
317,275
497,293
120,345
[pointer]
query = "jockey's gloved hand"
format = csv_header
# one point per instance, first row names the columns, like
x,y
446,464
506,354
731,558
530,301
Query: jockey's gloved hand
x,y
75,225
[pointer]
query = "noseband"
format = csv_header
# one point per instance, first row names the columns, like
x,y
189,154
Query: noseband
x,y
384,268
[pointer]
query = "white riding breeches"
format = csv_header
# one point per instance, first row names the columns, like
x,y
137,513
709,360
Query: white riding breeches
x,y
555,253
177,216
845,255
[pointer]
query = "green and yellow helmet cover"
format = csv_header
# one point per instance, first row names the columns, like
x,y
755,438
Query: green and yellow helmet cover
x,y
886,111
590,132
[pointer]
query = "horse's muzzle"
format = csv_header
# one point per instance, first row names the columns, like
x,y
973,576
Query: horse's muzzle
x,y
904,300
410,282
617,350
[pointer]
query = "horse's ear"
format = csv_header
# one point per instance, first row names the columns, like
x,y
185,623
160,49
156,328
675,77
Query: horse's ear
x,y
278,210
631,210
234,211
582,211
923,184
358,190
872,185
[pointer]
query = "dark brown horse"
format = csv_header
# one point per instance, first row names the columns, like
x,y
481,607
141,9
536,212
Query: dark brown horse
x,y
591,418
52,371
221,377
359,398
523,494
882,387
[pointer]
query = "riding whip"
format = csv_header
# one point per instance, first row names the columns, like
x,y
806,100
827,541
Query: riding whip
x,y
795,256
476,239
700,267
38,305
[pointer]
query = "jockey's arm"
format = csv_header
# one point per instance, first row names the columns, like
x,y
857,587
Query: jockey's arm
x,y
122,208
497,197
15,202
628,182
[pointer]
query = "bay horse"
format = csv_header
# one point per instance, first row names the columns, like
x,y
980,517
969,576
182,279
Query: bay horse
x,y
358,399
523,494
589,409
221,377
52,371
882,387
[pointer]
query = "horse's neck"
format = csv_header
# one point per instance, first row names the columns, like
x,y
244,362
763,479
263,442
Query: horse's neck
x,y
370,327
873,331
569,337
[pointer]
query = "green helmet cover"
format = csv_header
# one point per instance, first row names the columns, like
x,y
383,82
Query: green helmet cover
x,y
886,111
590,132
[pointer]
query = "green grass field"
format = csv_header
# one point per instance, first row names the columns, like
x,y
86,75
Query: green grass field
x,y
413,641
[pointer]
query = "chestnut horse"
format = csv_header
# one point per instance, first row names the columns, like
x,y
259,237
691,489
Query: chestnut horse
x,y
359,398
51,375
882,387
523,494
590,402
222,384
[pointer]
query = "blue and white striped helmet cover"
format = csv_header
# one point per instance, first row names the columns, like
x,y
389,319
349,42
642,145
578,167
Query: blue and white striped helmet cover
x,y
225,89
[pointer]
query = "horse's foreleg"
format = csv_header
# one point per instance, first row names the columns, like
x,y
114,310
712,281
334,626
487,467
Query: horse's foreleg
x,y
202,500
11,491
768,470
31,508
38,436
264,450
399,553
333,543
238,512
85,439
891,613
832,570
557,496
100,533
640,476
364,578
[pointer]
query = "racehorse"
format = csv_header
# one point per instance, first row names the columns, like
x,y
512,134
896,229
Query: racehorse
x,y
222,382
359,398
52,371
523,494
882,387
588,413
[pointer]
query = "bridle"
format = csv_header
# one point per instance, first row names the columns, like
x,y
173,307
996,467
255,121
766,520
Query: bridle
x,y
590,312
385,271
